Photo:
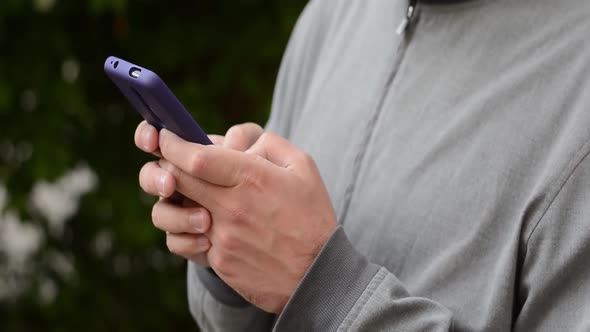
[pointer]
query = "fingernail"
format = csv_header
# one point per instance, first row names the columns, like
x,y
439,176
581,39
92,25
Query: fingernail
x,y
145,138
161,185
202,241
196,220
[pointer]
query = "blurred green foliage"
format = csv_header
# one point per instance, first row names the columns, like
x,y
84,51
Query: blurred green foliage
x,y
219,57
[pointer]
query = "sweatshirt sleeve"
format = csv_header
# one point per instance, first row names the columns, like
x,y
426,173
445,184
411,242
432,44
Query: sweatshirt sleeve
x,y
342,291
216,307
554,291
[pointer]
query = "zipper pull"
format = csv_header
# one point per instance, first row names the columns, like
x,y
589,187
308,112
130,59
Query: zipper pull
x,y
406,21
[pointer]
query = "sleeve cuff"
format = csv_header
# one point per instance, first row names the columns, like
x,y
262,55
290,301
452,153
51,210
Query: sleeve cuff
x,y
218,289
329,289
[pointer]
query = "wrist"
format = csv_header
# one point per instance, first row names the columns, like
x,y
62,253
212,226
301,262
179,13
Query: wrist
x,y
218,289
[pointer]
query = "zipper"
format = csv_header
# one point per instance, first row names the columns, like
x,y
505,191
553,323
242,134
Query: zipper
x,y
403,26
370,127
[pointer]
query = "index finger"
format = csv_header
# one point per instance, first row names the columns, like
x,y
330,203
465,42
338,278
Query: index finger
x,y
214,164
146,138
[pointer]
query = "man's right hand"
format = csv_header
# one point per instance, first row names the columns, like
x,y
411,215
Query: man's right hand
x,y
185,222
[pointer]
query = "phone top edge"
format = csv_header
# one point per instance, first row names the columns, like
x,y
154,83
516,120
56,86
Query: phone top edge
x,y
149,95
122,71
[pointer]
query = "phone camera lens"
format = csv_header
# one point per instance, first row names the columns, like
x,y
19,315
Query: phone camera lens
x,y
134,72
116,64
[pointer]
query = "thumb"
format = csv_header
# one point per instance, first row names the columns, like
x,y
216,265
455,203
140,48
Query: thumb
x,y
243,136
278,151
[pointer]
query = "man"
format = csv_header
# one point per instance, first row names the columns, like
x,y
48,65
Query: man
x,y
454,158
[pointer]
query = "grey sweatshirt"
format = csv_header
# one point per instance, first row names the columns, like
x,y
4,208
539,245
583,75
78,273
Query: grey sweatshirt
x,y
456,156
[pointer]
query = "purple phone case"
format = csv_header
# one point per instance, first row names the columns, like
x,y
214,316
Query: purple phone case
x,y
152,98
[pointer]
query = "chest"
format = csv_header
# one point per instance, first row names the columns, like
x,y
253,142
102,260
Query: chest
x,y
426,154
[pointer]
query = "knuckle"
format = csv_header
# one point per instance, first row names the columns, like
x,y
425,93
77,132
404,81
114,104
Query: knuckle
x,y
236,131
198,163
304,158
214,261
219,262
267,137
227,240
254,126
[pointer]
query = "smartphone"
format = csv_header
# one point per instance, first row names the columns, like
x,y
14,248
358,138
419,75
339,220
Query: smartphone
x,y
151,97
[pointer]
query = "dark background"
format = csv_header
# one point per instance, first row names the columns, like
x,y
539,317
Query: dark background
x,y
66,142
